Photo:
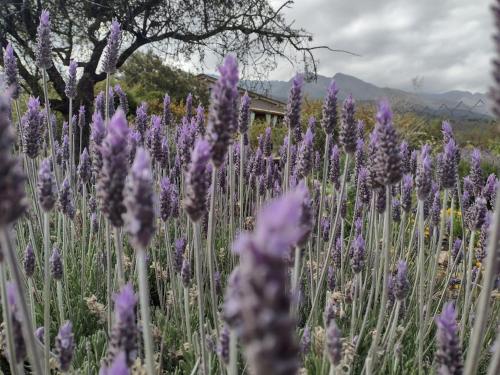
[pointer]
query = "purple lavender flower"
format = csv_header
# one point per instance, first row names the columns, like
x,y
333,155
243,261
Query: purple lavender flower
x,y
483,238
223,347
97,135
359,158
70,89
156,137
244,114
305,341
197,183
112,47
199,120
456,251
406,193
329,111
436,210
167,115
387,166
357,254
304,162
266,327
66,204
490,189
100,104
334,343
347,135
189,106
476,214
134,140
118,366
165,198
293,107
180,247
325,228
186,273
122,97
43,44
11,71
65,346
476,172
404,150
448,355
364,192
13,202
141,120
85,167
381,200
111,181
449,165
140,201
423,179
335,167
46,186
222,118
29,261
32,128
401,284
56,266
124,332
174,202
19,349
396,210
337,251
330,279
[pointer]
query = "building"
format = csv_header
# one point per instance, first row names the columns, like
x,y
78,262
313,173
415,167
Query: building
x,y
262,108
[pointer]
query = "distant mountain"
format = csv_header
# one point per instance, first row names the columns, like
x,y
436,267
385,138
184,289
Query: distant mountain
x,y
450,104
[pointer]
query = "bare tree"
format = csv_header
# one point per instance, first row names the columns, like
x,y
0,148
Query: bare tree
x,y
255,31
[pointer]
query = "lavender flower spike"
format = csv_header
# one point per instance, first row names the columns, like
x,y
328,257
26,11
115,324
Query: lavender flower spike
x,y
292,116
388,170
111,53
122,97
124,334
29,261
43,43
11,71
329,111
334,343
423,179
449,165
448,355
267,329
167,115
66,203
244,114
85,167
476,173
19,349
46,186
305,158
111,181
56,266
70,89
401,284
140,201
13,201
65,346
197,183
347,136
32,128
118,367
222,118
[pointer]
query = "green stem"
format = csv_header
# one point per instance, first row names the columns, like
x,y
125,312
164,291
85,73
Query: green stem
x,y
28,334
199,281
46,291
145,311
483,306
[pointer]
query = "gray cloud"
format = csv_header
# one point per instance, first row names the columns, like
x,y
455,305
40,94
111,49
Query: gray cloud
x,y
447,42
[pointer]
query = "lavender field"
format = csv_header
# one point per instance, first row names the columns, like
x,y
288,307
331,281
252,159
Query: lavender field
x,y
144,242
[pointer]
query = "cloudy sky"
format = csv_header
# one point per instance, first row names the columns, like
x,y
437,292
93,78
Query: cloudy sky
x,y
447,42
